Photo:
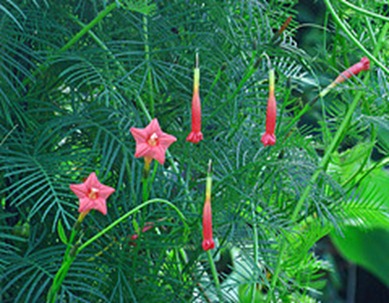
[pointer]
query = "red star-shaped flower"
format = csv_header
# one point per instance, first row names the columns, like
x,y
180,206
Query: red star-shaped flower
x,y
92,194
152,142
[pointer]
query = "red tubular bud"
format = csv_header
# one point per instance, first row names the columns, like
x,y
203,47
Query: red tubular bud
x,y
364,64
208,242
269,138
196,135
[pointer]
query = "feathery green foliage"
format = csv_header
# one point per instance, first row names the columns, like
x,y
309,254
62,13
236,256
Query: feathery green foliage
x,y
76,75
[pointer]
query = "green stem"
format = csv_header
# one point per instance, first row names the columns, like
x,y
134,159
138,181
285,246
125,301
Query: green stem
x,y
381,41
145,180
144,108
151,179
344,27
67,261
131,212
147,59
249,72
58,280
75,230
145,189
86,28
215,81
256,245
322,168
215,275
370,30
74,39
101,44
380,164
70,257
363,11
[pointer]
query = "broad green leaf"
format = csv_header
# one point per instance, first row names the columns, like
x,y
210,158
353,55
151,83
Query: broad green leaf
x,y
245,294
368,249
348,163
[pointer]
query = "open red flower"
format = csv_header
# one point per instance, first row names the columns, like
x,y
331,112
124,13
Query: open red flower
x,y
92,195
196,135
208,242
152,142
269,138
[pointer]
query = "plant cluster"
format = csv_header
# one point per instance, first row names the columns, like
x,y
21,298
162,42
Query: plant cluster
x,y
298,144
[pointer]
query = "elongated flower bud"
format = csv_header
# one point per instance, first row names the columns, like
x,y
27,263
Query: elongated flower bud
x,y
208,242
196,135
364,64
354,70
148,226
269,138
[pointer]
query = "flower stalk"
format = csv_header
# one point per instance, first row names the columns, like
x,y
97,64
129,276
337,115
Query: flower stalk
x,y
354,70
92,195
208,243
71,254
314,179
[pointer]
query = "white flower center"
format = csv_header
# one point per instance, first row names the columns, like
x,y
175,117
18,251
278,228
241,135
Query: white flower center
x,y
153,140
93,193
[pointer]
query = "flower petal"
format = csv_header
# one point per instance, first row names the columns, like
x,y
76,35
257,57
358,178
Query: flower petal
x,y
79,189
268,139
142,149
105,191
86,204
166,140
154,127
140,134
100,205
159,154
92,181
195,137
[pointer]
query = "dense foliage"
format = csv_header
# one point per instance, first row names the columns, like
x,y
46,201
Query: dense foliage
x,y
76,75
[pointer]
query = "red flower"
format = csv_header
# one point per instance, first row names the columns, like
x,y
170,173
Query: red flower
x,y
269,138
364,64
92,195
208,242
196,135
152,142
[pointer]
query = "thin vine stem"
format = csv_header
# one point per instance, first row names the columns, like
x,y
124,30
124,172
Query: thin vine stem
x,y
322,168
249,72
344,27
364,11
256,246
90,25
131,212
147,59
74,39
215,275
